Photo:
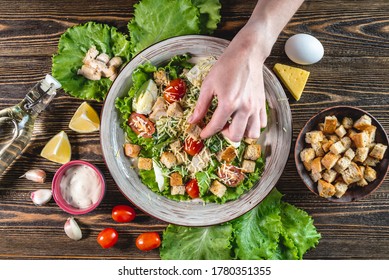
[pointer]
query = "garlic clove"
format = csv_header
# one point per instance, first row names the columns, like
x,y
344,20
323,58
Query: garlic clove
x,y
41,196
72,229
35,175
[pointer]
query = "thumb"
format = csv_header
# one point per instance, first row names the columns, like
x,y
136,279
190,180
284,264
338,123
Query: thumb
x,y
202,105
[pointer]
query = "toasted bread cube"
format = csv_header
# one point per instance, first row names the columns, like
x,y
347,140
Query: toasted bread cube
x,y
329,160
352,174
362,122
325,189
250,140
330,124
327,145
371,131
175,179
333,137
370,174
329,175
370,161
321,126
361,139
175,110
340,188
314,136
361,154
351,133
371,146
342,164
176,148
131,150
248,166
177,190
227,155
346,142
362,182
307,165
145,163
307,154
316,165
193,130
319,152
341,131
347,122
349,154
168,159
315,176
378,151
218,188
337,148
253,152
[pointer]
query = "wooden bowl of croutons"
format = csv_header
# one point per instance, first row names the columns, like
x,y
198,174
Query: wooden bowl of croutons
x,y
341,154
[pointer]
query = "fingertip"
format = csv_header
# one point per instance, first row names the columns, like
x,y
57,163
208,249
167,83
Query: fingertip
x,y
263,118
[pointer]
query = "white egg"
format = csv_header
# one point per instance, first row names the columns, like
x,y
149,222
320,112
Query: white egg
x,y
304,49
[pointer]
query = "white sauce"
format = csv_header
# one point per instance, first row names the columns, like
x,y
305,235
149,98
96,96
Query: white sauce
x,y
80,186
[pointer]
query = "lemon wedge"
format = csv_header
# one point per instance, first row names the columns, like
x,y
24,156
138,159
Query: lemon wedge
x,y
58,149
85,119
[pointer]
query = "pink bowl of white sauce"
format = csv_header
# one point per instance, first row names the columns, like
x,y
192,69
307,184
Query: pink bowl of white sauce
x,y
78,187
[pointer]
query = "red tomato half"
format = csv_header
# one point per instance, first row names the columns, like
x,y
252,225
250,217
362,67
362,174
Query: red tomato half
x,y
123,213
107,237
230,175
148,241
175,90
193,147
192,188
141,125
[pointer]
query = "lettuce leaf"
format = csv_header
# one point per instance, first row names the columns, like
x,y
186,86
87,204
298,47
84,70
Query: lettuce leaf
x,y
197,243
72,47
209,14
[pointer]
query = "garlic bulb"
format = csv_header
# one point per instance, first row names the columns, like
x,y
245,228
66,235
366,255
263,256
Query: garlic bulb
x,y
41,196
35,175
72,229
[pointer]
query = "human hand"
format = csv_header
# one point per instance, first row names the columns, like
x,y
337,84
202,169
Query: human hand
x,y
236,80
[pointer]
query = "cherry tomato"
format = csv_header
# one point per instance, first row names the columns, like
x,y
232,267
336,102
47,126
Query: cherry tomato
x,y
141,125
193,147
107,237
230,175
148,241
192,188
123,213
175,90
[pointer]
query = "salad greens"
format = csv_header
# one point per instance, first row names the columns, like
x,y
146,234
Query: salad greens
x,y
272,230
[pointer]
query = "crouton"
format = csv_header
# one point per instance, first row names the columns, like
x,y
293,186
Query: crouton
x,y
193,130
351,133
378,151
218,188
326,146
314,136
316,165
371,131
175,110
362,182
161,78
361,139
321,126
329,160
315,176
342,164
319,152
175,179
370,161
333,137
352,174
346,142
325,189
307,154
131,150
330,124
340,189
341,131
253,152
158,110
370,174
227,155
308,165
250,140
362,122
347,122
177,190
145,163
248,166
350,153
337,148
361,154
329,175
168,159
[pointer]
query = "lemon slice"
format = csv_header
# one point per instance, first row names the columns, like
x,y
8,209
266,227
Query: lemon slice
x,y
58,149
85,119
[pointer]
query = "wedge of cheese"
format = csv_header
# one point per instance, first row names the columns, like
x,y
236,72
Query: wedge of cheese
x,y
293,78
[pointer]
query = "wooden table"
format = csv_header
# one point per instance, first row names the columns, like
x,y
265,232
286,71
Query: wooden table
x,y
354,71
